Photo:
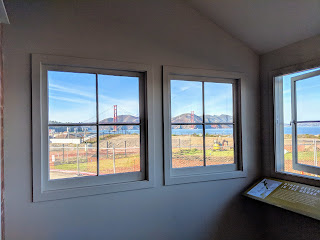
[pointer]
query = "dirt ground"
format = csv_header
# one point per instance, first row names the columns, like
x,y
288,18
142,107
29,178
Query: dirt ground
x,y
128,146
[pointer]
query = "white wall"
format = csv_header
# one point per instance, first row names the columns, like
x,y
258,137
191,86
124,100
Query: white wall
x,y
157,32
282,224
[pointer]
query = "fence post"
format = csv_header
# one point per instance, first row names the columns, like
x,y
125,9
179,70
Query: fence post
x,y
107,148
86,152
179,144
78,168
190,143
114,161
63,153
315,153
125,148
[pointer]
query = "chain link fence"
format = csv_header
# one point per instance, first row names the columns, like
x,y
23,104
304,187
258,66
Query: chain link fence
x,y
67,160
187,151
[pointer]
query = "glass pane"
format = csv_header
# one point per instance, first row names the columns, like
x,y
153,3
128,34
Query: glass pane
x,y
286,98
218,102
72,152
304,129
118,99
304,156
219,145
308,145
287,145
187,146
186,101
71,97
308,100
119,149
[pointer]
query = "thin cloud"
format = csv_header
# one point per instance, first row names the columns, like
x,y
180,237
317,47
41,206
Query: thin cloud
x,y
72,100
70,90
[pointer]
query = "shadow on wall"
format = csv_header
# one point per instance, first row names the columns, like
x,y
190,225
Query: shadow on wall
x,y
242,219
259,221
281,222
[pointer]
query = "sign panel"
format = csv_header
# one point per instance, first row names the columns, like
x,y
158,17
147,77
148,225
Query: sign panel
x,y
296,197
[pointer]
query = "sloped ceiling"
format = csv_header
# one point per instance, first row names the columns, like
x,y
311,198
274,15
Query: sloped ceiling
x,y
264,25
3,13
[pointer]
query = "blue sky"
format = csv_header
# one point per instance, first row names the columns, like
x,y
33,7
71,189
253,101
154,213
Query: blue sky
x,y
72,96
308,97
121,91
186,96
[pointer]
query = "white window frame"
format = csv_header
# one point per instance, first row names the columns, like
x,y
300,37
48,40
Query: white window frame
x,y
277,165
205,173
45,189
296,165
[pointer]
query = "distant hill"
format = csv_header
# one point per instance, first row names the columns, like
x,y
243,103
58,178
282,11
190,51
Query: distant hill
x,y
122,119
183,118
186,118
314,124
214,119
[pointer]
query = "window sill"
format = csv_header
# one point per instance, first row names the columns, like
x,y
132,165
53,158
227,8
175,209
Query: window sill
x,y
192,178
89,191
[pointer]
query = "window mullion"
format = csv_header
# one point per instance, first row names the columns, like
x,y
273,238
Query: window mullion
x,y
97,118
279,124
142,125
203,127
293,123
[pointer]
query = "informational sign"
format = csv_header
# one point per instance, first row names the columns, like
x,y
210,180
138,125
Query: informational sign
x,y
296,197
264,188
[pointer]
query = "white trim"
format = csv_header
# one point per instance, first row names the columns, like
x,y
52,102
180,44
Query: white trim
x,y
205,173
296,165
306,75
43,189
279,125
276,171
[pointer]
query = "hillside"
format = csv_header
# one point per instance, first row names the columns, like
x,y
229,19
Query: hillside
x,y
183,118
122,119
186,118
305,124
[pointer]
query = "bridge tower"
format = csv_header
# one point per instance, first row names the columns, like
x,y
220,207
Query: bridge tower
x,y
192,119
115,116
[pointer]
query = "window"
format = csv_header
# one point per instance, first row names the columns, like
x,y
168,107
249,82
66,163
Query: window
x,y
297,123
89,127
202,126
